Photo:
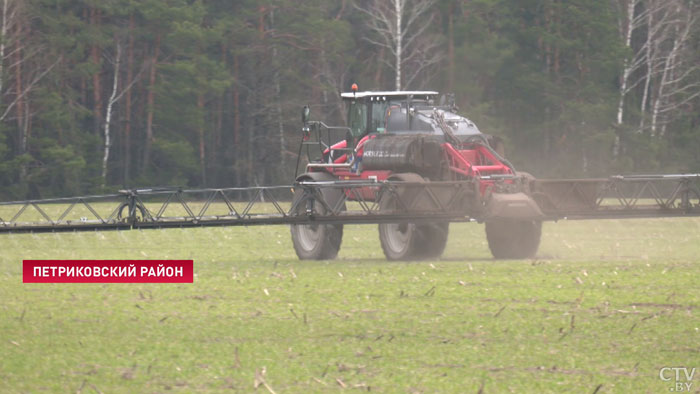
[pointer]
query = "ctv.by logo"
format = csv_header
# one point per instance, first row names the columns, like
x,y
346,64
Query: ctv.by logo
x,y
683,377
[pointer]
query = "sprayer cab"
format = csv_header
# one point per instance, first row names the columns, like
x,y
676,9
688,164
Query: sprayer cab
x,y
415,131
401,112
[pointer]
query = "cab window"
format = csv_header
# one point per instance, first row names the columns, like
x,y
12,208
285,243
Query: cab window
x,y
357,117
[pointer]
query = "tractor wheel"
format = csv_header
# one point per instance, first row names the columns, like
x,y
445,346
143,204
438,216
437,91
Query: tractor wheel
x,y
410,241
317,241
434,237
513,239
399,241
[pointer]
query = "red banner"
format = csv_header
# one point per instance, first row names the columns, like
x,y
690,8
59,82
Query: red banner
x,y
107,271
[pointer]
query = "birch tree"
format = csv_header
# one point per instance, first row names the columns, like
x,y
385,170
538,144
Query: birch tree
x,y
114,97
399,26
9,12
627,26
15,53
661,63
679,79
108,113
21,69
637,15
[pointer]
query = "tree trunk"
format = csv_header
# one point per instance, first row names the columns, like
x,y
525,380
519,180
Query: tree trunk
x,y
27,126
278,96
83,80
237,160
450,47
650,70
256,99
217,146
666,77
108,116
548,41
18,90
127,114
3,35
626,70
22,137
236,101
96,88
200,133
150,107
557,27
398,8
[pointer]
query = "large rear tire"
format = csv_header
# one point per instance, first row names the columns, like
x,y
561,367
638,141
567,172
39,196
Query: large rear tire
x,y
513,239
410,241
317,241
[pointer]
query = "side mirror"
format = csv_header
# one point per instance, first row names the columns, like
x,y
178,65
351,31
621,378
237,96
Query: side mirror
x,y
305,114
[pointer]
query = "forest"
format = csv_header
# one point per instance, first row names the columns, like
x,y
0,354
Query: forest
x,y
99,95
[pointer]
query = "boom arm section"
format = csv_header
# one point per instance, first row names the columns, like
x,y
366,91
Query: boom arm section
x,y
615,197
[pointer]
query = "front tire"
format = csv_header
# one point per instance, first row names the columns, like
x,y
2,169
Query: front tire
x,y
317,241
399,241
513,239
434,239
410,241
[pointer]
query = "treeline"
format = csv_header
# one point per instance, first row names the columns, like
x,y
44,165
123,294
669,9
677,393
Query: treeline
x,y
100,95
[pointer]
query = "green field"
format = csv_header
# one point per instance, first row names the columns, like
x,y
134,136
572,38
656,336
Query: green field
x,y
604,307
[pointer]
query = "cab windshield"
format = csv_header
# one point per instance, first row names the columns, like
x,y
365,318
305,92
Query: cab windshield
x,y
379,111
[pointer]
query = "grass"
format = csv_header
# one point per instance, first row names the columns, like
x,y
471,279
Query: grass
x,y
604,306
